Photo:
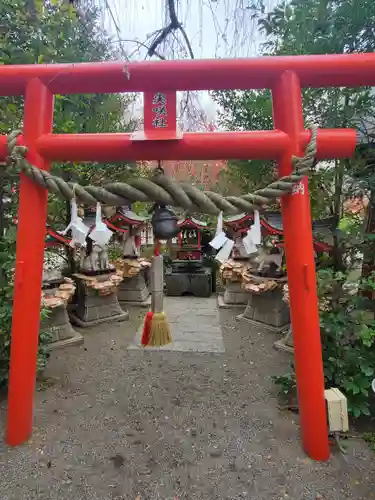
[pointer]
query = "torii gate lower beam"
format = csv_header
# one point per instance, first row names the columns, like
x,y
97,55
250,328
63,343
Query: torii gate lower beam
x,y
257,144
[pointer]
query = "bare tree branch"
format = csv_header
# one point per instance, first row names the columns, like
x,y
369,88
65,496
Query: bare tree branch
x,y
173,26
140,44
187,41
160,39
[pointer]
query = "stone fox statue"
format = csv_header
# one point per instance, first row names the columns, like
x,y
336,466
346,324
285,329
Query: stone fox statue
x,y
273,259
129,248
94,257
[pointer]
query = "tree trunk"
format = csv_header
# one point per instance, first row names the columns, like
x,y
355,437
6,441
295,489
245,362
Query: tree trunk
x,y
2,222
337,253
368,265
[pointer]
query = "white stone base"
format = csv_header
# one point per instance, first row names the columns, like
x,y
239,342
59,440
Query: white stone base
x,y
94,322
146,303
72,341
286,343
223,305
259,324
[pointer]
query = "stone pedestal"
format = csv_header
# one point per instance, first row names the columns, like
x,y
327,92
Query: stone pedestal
x,y
63,334
267,310
286,343
92,308
234,296
198,283
133,291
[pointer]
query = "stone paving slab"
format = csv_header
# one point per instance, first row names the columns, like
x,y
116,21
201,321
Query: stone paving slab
x,y
194,324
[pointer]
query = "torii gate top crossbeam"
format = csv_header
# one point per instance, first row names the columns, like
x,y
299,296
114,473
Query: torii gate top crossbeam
x,y
336,70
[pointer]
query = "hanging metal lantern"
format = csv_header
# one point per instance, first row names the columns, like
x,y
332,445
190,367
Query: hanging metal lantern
x,y
164,224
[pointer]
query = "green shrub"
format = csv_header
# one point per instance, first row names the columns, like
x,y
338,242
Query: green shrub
x,y
369,437
348,335
7,261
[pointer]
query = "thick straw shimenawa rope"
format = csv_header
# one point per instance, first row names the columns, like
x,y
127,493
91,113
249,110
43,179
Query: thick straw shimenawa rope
x,y
162,189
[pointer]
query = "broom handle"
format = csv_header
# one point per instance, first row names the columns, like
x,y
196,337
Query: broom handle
x,y
157,280
157,248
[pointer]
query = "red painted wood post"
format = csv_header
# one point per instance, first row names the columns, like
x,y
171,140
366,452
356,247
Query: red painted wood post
x,y
31,231
288,117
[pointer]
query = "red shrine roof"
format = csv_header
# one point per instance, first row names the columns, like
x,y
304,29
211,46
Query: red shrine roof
x,y
128,217
121,218
192,222
273,224
54,238
235,220
122,215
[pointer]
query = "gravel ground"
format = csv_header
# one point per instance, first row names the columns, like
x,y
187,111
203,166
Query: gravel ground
x,y
117,424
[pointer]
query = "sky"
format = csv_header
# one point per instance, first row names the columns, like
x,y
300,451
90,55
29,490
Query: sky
x,y
220,28
215,28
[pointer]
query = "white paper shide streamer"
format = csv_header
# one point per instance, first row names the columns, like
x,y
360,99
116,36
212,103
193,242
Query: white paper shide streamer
x,y
76,226
100,234
221,241
253,237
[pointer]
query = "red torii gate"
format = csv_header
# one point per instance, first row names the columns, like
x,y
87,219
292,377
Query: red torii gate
x,y
284,76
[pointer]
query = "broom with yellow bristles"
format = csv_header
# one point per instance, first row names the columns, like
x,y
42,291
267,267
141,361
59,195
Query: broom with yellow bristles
x,y
156,332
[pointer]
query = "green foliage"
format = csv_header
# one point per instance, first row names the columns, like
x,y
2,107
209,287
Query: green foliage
x,y
57,35
7,261
369,437
115,252
321,27
312,27
53,33
348,336
347,327
329,27
300,27
347,324
249,110
286,383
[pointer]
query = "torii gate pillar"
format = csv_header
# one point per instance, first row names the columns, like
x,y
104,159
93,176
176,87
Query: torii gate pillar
x,y
288,117
32,214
